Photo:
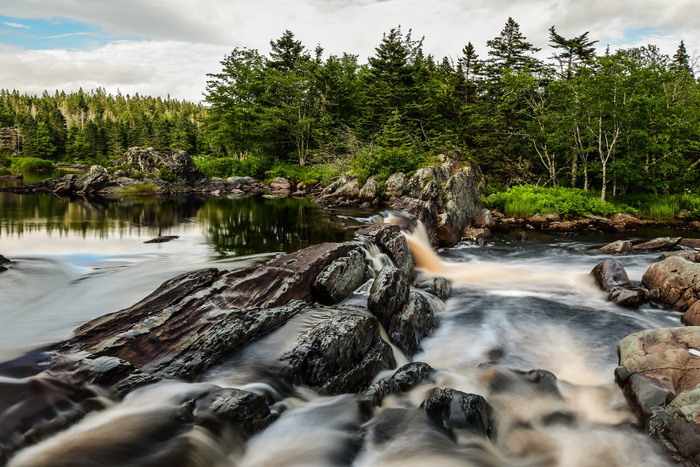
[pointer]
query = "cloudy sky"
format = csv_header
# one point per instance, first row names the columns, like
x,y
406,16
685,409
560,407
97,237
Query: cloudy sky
x,y
166,47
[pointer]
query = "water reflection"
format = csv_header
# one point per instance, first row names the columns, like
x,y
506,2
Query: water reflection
x,y
231,226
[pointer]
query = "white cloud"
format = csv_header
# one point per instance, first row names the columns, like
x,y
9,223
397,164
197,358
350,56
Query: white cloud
x,y
185,39
17,25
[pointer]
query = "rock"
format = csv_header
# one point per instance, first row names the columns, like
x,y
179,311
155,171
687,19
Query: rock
x,y
94,180
403,380
692,315
688,255
163,239
522,236
659,372
242,182
628,220
462,194
339,354
344,191
390,240
674,282
538,220
612,278
3,263
438,286
340,278
662,243
153,162
477,235
388,295
395,184
690,243
247,412
483,219
456,410
412,324
281,183
415,184
431,192
368,193
619,247
348,190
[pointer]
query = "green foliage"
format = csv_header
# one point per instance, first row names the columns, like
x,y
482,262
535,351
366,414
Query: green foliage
x,y
527,200
142,189
665,207
168,175
296,173
224,167
383,162
30,164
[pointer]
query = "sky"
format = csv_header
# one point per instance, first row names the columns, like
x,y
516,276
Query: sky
x,y
167,47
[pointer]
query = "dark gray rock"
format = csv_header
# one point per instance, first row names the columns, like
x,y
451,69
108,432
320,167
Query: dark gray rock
x,y
611,277
455,410
339,354
150,161
4,262
163,239
390,240
340,278
403,380
93,181
411,325
388,295
438,286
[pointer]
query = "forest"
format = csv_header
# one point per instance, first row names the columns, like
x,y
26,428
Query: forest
x,y
622,122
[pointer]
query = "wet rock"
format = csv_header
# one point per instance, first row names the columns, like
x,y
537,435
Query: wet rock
x,y
662,243
339,354
406,378
395,184
688,255
522,236
479,236
163,239
411,325
426,212
247,412
93,181
4,262
153,162
368,193
659,372
619,247
340,278
438,286
611,277
674,282
536,382
627,220
690,243
455,410
388,294
390,240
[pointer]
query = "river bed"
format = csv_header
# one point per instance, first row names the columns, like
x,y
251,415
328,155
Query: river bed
x,y
515,306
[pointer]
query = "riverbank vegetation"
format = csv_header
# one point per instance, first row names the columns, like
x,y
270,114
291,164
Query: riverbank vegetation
x,y
622,123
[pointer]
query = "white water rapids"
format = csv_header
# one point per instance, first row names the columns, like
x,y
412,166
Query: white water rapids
x,y
514,306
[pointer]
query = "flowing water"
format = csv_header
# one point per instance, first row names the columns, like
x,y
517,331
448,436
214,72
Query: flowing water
x,y
515,307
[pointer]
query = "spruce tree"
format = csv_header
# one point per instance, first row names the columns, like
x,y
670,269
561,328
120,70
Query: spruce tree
x,y
575,52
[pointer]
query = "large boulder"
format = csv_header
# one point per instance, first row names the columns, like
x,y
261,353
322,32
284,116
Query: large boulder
x,y
93,181
674,281
611,277
659,373
388,294
412,324
396,184
390,240
339,354
154,162
661,243
620,247
340,278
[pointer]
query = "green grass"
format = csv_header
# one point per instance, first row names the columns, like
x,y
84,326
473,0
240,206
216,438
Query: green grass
x,y
142,189
30,164
572,203
665,207
308,173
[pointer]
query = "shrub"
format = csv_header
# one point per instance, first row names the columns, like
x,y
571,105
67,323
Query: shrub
x,y
384,162
527,200
31,164
168,175
224,167
303,173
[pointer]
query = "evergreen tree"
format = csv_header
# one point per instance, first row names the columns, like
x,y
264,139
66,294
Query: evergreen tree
x,y
681,61
575,52
510,51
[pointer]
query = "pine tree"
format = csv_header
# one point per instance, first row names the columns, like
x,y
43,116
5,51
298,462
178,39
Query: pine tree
x,y
510,51
681,61
575,52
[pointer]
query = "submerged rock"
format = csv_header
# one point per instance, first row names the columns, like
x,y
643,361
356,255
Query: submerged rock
x,y
3,263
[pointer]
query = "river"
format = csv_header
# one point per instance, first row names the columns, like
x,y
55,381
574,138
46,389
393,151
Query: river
x,y
515,305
